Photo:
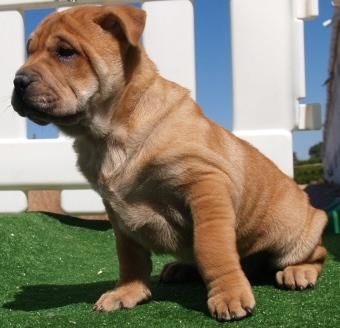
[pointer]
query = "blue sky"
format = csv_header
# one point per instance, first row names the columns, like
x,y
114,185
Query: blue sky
x,y
213,65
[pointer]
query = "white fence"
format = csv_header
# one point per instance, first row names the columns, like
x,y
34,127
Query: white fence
x,y
268,81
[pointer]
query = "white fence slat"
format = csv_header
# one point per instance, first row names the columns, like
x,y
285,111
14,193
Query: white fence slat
x,y
12,201
169,40
32,4
11,124
81,202
11,58
25,2
268,74
39,164
264,64
276,144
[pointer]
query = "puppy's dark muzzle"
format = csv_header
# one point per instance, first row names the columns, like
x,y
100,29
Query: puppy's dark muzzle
x,y
25,98
21,82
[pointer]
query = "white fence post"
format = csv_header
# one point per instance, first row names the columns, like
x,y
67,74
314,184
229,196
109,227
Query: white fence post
x,y
11,124
169,40
269,74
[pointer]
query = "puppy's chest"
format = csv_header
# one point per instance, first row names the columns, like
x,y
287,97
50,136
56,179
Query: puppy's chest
x,y
146,205
153,213
100,163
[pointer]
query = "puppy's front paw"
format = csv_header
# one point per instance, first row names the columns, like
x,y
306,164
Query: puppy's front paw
x,y
232,303
123,297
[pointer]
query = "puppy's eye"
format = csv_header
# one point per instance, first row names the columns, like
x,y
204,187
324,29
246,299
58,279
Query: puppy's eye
x,y
28,48
66,53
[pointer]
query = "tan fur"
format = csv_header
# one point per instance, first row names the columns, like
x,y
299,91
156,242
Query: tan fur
x,y
172,180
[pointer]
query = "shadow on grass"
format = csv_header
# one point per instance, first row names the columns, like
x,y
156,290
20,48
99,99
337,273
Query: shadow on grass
x,y
190,295
332,243
40,297
43,297
100,225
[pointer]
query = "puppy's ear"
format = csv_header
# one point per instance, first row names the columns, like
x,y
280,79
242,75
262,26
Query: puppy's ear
x,y
123,21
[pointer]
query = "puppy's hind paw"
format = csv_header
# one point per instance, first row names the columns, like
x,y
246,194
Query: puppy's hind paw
x,y
298,277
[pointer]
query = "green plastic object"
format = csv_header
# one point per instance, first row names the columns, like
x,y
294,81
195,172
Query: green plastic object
x,y
333,212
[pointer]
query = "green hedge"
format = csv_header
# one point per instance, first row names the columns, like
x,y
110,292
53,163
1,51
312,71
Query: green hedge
x,y
304,174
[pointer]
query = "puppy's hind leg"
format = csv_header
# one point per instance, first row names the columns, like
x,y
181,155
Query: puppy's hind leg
x,y
177,272
304,275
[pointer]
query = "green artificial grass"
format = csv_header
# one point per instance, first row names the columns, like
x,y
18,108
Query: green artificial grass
x,y
53,268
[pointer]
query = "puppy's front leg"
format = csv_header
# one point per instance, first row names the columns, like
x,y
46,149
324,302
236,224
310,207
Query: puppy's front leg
x,y
229,293
133,285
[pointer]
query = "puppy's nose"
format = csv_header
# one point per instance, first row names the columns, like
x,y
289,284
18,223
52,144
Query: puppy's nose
x,y
21,82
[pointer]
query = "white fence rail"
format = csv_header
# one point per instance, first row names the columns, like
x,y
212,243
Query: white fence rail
x,y
268,80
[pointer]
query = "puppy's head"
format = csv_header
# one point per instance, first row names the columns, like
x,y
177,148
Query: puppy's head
x,y
76,63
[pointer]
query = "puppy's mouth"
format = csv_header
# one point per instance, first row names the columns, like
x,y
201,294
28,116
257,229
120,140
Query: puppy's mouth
x,y
43,113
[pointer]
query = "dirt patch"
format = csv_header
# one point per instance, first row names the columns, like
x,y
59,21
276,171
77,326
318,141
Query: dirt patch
x,y
49,201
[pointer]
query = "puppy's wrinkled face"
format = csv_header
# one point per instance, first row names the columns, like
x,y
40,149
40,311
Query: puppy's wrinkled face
x,y
75,63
